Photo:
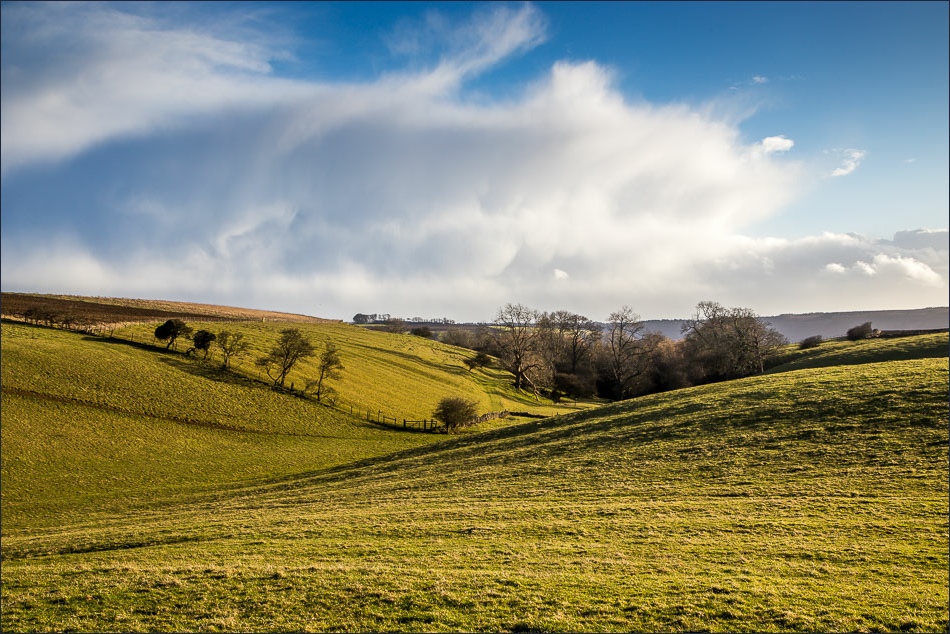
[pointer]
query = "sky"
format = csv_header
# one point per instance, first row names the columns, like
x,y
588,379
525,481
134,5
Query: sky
x,y
440,160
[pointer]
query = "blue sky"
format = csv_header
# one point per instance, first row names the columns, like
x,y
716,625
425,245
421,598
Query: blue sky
x,y
443,159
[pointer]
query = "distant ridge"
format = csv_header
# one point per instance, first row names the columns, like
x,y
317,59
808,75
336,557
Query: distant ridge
x,y
829,325
124,310
794,326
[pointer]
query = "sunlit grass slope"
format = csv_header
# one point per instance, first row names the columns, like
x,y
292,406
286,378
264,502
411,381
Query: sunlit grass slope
x,y
844,352
396,375
808,500
89,423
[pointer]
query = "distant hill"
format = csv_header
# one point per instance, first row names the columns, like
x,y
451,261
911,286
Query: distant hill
x,y
113,310
829,325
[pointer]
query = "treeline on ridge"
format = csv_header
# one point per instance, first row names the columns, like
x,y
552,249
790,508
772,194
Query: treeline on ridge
x,y
563,354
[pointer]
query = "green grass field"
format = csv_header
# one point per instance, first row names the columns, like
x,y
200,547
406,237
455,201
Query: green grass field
x,y
813,498
398,375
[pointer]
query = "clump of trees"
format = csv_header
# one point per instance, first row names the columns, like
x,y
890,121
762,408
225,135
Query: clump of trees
x,y
292,347
515,340
810,342
455,412
232,345
728,343
564,354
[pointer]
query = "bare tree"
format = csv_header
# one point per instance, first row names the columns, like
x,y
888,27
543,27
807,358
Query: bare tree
x,y
552,342
232,345
627,351
582,337
515,337
291,348
328,369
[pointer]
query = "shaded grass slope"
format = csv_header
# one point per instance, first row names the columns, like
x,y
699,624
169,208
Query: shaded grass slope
x,y
809,500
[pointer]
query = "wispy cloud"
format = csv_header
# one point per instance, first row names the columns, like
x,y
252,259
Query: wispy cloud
x,y
851,161
118,74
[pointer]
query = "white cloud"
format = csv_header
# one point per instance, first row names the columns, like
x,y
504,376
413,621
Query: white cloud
x,y
850,162
833,272
773,144
759,79
227,184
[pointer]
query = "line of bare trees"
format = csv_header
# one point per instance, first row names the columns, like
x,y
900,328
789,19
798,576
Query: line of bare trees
x,y
292,346
565,354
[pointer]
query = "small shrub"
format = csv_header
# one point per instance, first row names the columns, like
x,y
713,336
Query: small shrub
x,y
810,342
455,412
480,360
863,331
458,337
422,331
396,326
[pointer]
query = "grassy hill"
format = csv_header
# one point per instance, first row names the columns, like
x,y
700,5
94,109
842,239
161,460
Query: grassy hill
x,y
395,375
810,499
87,419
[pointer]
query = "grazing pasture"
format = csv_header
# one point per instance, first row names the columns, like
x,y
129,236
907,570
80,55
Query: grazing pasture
x,y
143,492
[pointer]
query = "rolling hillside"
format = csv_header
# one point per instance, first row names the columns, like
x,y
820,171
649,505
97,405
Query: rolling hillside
x,y
810,499
120,417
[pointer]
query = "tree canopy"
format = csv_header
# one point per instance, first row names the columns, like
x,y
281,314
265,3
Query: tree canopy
x,y
172,330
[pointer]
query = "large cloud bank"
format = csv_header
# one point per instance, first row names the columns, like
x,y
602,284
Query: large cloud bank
x,y
194,172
